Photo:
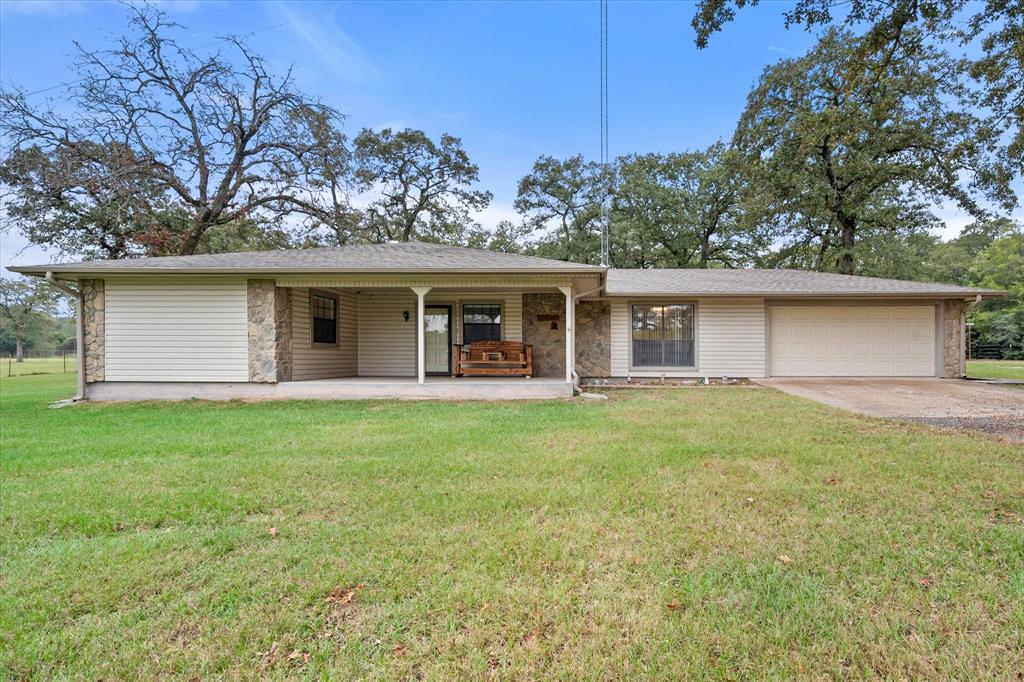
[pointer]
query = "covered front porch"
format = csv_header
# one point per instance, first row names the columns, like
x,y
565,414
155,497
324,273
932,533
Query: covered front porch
x,y
400,337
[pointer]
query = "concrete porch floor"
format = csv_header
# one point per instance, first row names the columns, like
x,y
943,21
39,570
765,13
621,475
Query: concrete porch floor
x,y
347,388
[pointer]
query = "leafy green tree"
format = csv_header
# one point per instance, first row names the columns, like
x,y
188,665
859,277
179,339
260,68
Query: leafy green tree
x,y
424,186
987,34
561,205
951,261
507,237
27,308
244,235
82,200
220,135
999,30
681,210
844,141
1001,320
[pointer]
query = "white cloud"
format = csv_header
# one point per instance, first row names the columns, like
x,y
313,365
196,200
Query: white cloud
x,y
495,213
16,250
341,53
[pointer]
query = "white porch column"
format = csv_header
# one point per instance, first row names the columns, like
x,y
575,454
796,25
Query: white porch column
x,y
570,333
421,371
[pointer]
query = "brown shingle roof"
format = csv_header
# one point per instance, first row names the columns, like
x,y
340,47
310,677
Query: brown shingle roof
x,y
694,282
399,257
424,257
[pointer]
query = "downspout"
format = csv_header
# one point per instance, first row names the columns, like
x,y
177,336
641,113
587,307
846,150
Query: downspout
x,y
79,330
575,376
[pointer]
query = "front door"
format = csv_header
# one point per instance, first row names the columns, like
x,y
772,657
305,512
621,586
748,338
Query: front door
x,y
437,339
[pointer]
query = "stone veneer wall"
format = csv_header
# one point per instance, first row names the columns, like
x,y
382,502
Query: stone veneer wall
x,y
94,328
953,355
262,331
593,339
283,331
548,344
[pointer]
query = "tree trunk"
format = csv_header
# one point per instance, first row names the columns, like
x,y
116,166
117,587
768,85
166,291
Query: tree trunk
x,y
19,352
191,242
849,228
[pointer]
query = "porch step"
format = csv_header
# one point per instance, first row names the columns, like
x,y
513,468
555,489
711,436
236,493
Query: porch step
x,y
337,389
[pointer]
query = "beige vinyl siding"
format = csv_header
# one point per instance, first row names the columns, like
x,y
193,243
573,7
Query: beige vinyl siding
x,y
176,330
387,343
620,338
512,317
731,337
319,362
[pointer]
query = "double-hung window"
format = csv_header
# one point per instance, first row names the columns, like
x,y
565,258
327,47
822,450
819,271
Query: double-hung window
x,y
663,335
481,322
324,312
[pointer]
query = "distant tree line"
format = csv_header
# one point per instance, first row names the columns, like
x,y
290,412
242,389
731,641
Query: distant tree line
x,y
31,319
837,162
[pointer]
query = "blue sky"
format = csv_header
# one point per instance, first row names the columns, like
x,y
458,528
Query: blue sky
x,y
513,80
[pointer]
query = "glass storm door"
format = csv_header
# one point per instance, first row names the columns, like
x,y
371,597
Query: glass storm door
x,y
437,339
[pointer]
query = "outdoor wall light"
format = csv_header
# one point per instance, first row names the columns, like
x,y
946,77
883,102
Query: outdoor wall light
x,y
405,315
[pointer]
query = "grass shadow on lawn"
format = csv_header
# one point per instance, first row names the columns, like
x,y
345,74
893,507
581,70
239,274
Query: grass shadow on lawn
x,y
662,534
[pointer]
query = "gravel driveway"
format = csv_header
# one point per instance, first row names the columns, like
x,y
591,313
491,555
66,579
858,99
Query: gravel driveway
x,y
953,403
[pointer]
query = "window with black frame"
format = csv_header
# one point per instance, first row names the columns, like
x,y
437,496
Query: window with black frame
x,y
324,310
663,335
481,322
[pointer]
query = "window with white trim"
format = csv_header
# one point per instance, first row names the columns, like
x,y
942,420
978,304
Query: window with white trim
x,y
481,322
323,310
663,335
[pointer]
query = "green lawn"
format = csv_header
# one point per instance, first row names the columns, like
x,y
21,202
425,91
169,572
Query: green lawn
x,y
8,367
995,369
727,533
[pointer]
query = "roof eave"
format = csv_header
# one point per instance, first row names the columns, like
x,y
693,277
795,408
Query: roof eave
x,y
73,270
988,293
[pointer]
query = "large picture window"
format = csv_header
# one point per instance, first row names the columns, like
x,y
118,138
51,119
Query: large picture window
x,y
663,335
481,322
324,311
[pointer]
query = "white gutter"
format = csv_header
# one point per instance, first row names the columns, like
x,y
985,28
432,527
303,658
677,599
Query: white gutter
x,y
586,293
79,330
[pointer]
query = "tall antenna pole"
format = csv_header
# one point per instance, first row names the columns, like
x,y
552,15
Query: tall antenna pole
x,y
605,175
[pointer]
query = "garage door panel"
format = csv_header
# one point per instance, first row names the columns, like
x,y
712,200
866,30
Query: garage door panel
x,y
852,341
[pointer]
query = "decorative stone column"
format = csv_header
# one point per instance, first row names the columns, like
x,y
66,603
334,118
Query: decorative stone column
x,y
262,304
94,328
283,330
954,356
544,329
593,339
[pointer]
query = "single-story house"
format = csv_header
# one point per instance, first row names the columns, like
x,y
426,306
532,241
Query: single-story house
x,y
387,320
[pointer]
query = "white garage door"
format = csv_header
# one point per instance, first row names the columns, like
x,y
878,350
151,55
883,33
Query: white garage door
x,y
852,341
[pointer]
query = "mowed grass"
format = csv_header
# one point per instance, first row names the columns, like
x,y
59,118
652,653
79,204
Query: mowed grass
x,y
725,533
995,369
10,368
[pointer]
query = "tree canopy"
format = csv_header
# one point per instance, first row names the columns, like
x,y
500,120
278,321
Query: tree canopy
x,y
845,141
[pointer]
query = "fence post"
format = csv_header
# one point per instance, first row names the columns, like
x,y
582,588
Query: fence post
x,y
64,357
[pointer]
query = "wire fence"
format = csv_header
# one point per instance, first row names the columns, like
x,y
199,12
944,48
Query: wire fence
x,y
38,362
